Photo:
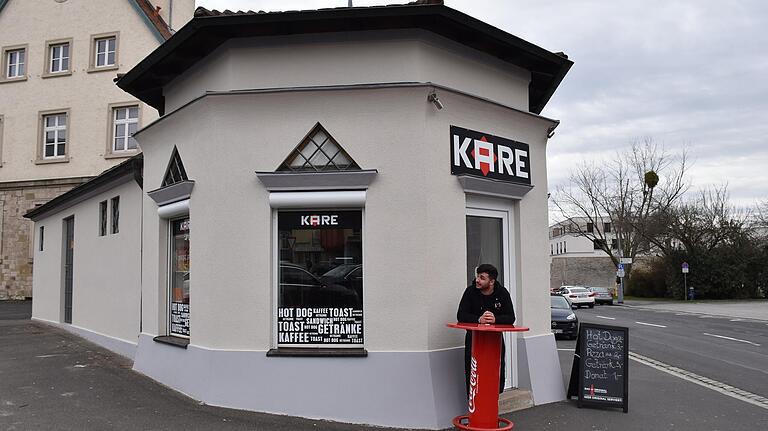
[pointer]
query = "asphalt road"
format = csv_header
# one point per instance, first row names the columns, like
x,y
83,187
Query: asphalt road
x,y
53,380
730,350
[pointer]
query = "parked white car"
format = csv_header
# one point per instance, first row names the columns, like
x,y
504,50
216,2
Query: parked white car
x,y
579,296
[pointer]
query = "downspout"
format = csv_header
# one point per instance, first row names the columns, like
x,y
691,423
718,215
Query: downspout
x,y
170,15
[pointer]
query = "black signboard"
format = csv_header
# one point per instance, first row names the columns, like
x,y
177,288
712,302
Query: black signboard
x,y
484,155
600,373
320,220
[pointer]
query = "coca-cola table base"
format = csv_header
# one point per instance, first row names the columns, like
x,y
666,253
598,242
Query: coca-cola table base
x,y
483,400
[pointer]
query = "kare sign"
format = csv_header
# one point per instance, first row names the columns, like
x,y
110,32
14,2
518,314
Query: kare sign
x,y
483,155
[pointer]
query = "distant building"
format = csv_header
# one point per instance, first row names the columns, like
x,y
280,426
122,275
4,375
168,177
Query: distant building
x,y
62,119
578,260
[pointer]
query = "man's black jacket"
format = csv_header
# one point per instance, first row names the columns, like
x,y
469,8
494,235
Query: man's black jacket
x,y
473,304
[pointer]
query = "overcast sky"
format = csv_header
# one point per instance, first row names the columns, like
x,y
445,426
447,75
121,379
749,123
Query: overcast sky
x,y
686,73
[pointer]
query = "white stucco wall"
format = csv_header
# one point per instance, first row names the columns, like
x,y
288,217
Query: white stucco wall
x,y
107,269
350,58
414,207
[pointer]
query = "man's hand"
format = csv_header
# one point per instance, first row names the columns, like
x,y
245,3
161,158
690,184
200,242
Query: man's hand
x,y
487,317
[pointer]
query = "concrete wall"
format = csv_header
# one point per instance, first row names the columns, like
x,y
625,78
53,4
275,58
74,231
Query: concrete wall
x,y
107,269
582,271
350,58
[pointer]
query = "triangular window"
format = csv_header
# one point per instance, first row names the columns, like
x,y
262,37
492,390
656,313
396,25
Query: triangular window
x,y
318,152
175,172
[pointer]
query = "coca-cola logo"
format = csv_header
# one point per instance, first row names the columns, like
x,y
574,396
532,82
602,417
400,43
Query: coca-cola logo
x,y
472,385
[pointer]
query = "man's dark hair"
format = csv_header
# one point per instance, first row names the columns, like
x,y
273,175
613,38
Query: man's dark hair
x,y
489,269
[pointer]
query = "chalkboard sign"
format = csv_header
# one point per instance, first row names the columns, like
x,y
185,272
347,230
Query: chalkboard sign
x,y
600,374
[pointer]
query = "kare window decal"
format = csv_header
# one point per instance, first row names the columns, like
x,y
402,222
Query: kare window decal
x,y
318,152
175,173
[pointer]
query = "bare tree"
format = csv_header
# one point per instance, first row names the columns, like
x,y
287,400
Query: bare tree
x,y
629,192
700,224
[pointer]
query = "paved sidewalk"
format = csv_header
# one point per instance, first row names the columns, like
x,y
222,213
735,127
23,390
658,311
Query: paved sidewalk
x,y
53,380
748,309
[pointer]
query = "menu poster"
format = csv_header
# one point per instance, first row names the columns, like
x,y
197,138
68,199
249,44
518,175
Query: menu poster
x,y
600,374
320,325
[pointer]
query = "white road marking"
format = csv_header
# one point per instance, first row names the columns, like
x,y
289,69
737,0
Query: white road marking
x,y
716,386
566,350
732,339
651,324
609,318
737,320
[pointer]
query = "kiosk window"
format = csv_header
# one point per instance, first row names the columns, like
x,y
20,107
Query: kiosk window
x,y
179,292
484,245
320,290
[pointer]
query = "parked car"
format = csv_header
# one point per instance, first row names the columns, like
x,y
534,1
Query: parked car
x,y
349,275
301,288
579,296
564,320
602,295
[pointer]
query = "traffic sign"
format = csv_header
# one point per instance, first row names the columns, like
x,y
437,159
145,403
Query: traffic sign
x,y
620,273
621,267
627,260
685,267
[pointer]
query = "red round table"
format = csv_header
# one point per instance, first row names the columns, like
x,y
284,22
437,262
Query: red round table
x,y
484,377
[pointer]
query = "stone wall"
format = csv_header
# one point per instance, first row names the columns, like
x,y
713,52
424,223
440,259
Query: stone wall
x,y
16,232
582,271
588,271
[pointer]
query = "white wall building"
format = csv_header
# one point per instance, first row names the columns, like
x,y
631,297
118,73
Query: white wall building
x,y
62,120
313,202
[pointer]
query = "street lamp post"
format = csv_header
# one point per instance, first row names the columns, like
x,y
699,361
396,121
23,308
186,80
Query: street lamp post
x,y
621,268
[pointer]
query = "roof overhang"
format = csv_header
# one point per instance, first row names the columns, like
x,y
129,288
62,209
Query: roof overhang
x,y
130,169
207,31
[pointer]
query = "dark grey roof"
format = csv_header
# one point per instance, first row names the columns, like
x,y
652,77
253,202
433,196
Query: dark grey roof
x,y
209,29
130,169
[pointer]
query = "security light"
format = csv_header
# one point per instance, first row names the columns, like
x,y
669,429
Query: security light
x,y
435,100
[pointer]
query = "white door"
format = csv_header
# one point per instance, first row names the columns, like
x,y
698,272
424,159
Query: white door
x,y
489,240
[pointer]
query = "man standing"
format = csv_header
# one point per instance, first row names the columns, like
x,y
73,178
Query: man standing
x,y
485,301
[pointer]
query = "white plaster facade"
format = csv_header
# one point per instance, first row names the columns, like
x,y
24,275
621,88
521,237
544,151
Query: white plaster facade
x,y
106,297
242,109
86,93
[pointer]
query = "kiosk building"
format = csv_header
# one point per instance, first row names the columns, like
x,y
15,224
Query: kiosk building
x,y
308,210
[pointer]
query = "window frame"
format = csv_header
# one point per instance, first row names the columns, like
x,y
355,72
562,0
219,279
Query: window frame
x,y
2,123
114,213
42,115
6,52
103,218
92,62
112,108
48,63
275,244
169,275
